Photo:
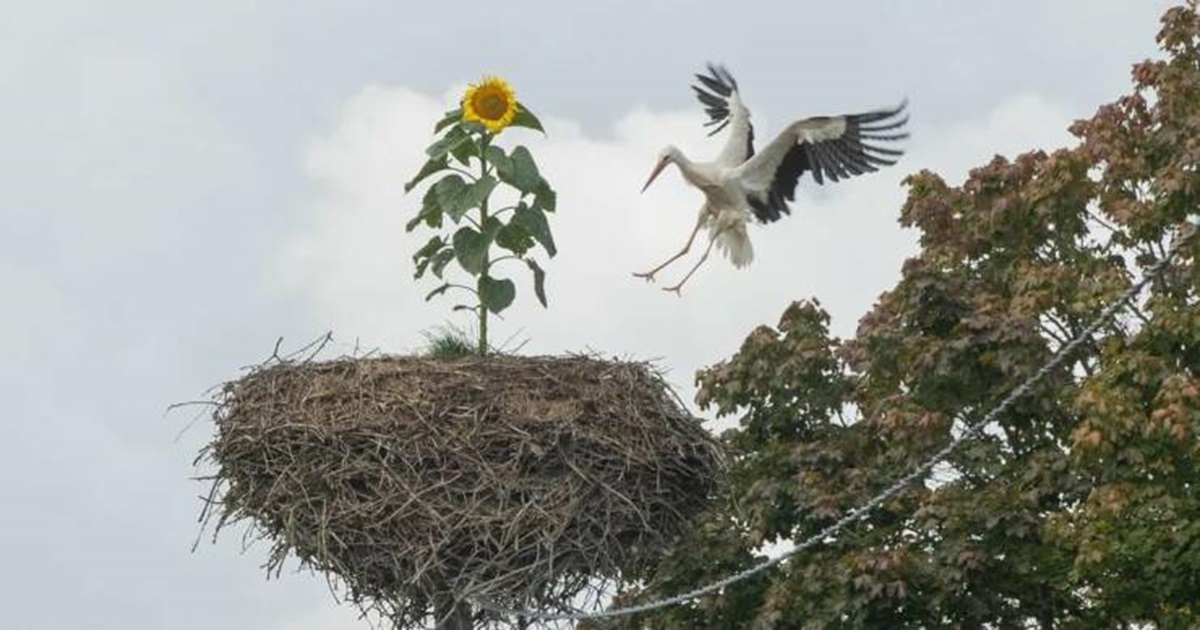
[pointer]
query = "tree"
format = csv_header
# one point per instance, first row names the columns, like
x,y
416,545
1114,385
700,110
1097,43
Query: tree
x,y
1080,506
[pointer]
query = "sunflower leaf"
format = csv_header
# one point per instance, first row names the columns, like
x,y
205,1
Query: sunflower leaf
x,y
514,238
524,174
458,142
464,307
422,265
432,166
451,117
424,256
439,261
431,207
546,198
457,197
539,280
491,228
431,211
498,158
442,146
438,291
533,219
504,168
496,295
479,191
453,195
464,150
525,118
430,247
471,250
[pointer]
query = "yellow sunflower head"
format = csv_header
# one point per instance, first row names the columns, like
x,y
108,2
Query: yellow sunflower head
x,y
491,102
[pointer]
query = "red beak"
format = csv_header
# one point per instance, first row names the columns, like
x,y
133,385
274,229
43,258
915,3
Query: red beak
x,y
658,168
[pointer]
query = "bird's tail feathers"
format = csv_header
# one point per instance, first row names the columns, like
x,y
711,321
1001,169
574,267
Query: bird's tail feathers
x,y
734,243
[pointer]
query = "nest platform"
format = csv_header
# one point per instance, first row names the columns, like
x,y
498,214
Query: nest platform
x,y
526,482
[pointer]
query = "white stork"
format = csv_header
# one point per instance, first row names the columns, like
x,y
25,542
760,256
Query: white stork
x,y
740,184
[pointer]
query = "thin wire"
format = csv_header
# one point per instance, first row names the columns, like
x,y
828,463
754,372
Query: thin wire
x,y
920,471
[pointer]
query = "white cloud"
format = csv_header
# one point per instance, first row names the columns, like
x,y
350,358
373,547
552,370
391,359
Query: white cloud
x,y
842,244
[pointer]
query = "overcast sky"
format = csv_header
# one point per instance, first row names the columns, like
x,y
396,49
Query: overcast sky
x,y
183,183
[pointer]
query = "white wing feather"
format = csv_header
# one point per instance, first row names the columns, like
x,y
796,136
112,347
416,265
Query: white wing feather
x,y
737,146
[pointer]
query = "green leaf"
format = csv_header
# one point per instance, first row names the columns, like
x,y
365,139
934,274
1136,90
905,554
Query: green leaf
x,y
464,150
499,159
525,118
422,265
431,211
514,238
464,307
496,295
546,198
423,256
539,280
432,166
525,171
438,291
441,147
534,222
492,227
522,173
451,117
457,142
428,249
452,196
479,191
471,250
456,197
438,263
431,208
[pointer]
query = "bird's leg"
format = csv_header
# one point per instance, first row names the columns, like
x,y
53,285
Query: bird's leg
x,y
676,288
649,275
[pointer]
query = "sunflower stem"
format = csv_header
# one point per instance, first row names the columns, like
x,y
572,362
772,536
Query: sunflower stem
x,y
487,263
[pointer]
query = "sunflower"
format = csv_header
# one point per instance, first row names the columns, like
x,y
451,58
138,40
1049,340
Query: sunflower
x,y
491,102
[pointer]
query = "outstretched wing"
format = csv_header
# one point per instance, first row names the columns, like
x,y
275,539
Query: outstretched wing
x,y
833,147
724,106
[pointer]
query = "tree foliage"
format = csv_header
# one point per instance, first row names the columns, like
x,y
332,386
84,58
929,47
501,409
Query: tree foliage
x,y
1080,506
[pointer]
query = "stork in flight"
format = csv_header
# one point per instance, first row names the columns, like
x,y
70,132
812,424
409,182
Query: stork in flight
x,y
740,184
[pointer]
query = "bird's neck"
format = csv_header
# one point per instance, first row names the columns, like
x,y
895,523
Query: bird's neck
x,y
682,161
693,172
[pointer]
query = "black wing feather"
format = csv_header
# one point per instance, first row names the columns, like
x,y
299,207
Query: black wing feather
x,y
847,160
855,152
720,86
708,99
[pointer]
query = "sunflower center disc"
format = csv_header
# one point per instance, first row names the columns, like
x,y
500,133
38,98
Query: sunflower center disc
x,y
493,106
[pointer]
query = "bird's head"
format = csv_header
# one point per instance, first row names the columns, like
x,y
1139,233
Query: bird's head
x,y
666,156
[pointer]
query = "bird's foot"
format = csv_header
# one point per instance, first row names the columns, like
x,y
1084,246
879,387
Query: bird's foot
x,y
675,289
648,276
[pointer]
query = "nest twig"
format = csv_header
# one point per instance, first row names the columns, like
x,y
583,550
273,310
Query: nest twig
x,y
528,482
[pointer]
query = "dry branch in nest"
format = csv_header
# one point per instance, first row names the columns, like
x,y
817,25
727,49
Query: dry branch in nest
x,y
526,482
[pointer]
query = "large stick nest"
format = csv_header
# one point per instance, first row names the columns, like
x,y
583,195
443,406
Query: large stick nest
x,y
519,481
